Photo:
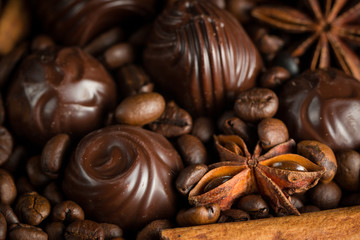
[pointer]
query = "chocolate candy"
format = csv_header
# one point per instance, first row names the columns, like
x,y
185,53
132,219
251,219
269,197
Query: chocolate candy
x,y
123,175
59,91
201,56
76,22
324,106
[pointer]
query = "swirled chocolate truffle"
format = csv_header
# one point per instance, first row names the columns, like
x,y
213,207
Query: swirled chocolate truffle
x,y
59,91
124,175
76,22
323,105
201,56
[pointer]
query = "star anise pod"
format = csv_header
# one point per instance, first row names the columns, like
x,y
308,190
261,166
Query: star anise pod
x,y
275,174
332,29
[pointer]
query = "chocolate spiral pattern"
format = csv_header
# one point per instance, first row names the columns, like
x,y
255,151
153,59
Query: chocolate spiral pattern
x,y
322,105
124,175
201,56
75,22
59,91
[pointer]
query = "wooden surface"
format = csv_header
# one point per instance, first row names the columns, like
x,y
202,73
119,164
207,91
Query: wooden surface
x,y
341,223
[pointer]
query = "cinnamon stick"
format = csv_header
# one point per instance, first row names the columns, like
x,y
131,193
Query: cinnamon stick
x,y
340,223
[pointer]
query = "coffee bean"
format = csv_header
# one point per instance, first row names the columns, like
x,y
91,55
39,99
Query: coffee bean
x,y
119,55
191,149
53,193
274,77
325,195
41,42
21,231
271,132
348,170
32,208
241,9
133,80
104,41
203,128
84,229
7,188
68,211
256,104
18,156
23,185
174,122
140,109
6,143
53,155
309,208
296,202
2,110
9,214
233,215
285,60
111,231
189,176
36,176
55,230
3,227
199,215
235,126
254,205
152,231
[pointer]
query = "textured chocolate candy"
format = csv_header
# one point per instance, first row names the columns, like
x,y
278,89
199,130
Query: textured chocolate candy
x,y
324,106
124,175
76,22
59,91
201,56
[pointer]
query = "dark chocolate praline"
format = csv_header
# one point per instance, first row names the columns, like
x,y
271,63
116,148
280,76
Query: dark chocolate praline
x,y
124,175
322,105
201,56
59,90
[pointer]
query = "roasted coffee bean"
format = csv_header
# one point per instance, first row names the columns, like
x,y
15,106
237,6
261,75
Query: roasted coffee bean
x,y
235,126
68,211
348,170
267,44
41,42
309,208
174,122
191,149
23,185
53,155
6,143
189,176
84,229
111,231
33,169
198,215
55,230
254,205
104,41
119,55
152,231
53,193
325,195
285,60
140,109
296,202
274,77
203,128
21,231
18,156
256,104
32,208
133,80
3,227
9,214
271,132
233,215
7,188
351,199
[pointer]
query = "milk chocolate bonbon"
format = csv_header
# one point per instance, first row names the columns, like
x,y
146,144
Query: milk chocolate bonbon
x,y
201,55
59,91
124,175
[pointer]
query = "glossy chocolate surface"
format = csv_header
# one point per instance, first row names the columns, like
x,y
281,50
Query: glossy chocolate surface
x,y
124,175
324,106
201,56
76,22
59,91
